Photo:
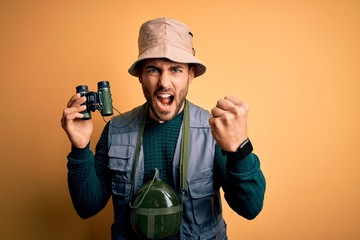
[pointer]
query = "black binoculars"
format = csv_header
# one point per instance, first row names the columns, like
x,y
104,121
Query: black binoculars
x,y
100,100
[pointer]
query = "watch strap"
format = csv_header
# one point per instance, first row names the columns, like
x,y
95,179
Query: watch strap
x,y
243,151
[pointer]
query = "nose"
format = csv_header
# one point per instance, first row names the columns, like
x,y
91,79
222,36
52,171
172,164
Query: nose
x,y
165,79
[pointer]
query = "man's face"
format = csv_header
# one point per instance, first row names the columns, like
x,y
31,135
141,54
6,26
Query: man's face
x,y
165,85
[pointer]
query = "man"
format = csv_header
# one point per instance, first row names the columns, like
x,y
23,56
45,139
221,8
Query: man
x,y
196,153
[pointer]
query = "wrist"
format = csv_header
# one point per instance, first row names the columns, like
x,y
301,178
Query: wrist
x,y
242,151
80,153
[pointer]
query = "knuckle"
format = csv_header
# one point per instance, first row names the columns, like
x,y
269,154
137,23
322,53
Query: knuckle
x,y
242,110
68,117
214,123
228,119
66,111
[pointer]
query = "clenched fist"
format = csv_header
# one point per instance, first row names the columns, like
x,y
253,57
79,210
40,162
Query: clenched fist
x,y
229,123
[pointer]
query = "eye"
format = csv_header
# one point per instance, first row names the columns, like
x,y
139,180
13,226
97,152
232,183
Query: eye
x,y
151,70
176,69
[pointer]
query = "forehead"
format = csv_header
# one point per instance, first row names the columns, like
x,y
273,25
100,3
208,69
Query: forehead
x,y
162,62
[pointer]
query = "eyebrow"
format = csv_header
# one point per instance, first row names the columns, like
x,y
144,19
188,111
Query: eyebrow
x,y
158,68
152,67
176,66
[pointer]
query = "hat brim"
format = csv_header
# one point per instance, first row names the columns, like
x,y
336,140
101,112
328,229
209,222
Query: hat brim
x,y
172,53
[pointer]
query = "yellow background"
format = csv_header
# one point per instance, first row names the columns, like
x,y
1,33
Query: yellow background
x,y
296,63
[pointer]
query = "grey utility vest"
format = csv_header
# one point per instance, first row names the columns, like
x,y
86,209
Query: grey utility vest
x,y
202,210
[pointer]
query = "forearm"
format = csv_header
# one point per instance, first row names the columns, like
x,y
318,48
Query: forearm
x,y
245,185
88,180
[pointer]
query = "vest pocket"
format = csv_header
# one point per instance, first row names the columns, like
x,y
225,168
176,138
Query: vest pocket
x,y
119,164
120,157
120,186
204,200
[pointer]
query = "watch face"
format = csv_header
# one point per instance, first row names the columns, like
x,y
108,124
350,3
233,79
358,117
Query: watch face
x,y
246,148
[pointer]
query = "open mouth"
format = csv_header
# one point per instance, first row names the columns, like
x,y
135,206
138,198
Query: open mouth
x,y
165,100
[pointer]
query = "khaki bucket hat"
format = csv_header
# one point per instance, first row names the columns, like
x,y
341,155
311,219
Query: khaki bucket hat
x,y
167,38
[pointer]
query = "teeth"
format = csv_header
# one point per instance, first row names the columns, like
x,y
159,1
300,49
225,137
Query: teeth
x,y
165,95
165,99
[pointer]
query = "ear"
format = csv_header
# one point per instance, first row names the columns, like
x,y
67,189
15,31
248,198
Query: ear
x,y
140,79
191,73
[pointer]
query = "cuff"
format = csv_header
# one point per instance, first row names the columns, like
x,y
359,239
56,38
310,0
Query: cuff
x,y
80,153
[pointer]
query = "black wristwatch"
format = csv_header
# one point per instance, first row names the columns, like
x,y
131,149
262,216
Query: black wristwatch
x,y
243,151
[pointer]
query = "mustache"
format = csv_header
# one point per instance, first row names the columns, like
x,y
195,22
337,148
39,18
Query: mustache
x,y
164,90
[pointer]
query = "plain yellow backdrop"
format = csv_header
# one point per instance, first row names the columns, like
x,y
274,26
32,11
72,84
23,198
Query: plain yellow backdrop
x,y
296,63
